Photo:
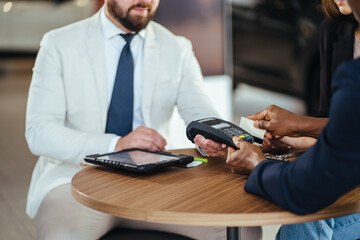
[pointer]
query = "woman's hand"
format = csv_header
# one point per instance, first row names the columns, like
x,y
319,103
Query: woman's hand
x,y
282,145
246,158
280,122
300,143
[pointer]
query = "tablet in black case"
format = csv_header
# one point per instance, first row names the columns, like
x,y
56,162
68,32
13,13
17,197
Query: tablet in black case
x,y
139,160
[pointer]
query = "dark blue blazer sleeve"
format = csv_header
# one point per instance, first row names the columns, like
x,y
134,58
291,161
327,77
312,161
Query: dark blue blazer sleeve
x,y
327,170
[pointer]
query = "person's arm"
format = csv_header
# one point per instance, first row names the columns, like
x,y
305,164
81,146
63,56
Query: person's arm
x,y
47,132
280,122
327,170
193,102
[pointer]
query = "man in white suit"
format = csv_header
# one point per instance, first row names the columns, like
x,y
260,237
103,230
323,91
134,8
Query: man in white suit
x,y
67,113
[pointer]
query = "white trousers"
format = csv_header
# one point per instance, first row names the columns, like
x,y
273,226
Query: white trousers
x,y
60,216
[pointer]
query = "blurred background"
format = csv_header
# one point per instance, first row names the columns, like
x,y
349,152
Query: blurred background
x,y
253,53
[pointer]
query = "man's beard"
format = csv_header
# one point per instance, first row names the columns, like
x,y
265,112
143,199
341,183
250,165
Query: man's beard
x,y
131,23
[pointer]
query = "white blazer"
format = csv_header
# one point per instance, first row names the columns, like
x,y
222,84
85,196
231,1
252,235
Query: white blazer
x,y
67,103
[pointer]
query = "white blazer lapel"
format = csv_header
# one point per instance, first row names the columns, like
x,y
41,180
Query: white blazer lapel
x,y
96,53
151,60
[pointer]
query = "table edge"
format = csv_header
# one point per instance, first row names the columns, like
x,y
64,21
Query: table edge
x,y
207,219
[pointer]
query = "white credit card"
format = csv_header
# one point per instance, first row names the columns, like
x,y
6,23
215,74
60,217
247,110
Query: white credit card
x,y
248,125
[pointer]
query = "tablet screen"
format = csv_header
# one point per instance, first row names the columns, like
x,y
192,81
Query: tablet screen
x,y
138,157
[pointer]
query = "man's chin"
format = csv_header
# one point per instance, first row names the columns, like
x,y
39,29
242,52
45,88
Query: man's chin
x,y
136,22
135,27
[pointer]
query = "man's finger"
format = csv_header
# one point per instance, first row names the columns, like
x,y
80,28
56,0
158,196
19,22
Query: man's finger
x,y
199,139
159,137
211,144
149,132
156,141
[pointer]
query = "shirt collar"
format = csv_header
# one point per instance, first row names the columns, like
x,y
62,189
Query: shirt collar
x,y
110,30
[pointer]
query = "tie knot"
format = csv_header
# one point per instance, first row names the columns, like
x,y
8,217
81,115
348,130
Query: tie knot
x,y
128,37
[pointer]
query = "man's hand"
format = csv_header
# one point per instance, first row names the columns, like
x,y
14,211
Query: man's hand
x,y
142,137
212,148
246,158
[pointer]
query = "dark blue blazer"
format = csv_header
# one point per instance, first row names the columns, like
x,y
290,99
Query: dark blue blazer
x,y
327,170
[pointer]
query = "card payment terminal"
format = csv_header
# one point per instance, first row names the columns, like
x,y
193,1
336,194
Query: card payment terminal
x,y
217,130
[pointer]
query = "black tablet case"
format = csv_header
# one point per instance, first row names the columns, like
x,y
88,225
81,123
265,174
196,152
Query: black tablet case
x,y
180,160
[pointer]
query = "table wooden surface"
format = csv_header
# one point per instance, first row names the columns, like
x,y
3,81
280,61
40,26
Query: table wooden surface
x,y
207,195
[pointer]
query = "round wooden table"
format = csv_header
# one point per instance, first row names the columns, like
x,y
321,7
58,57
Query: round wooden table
x,y
206,195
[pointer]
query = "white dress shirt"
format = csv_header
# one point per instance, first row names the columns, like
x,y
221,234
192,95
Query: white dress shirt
x,y
113,45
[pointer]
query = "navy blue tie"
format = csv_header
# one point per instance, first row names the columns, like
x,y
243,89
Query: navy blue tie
x,y
120,114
